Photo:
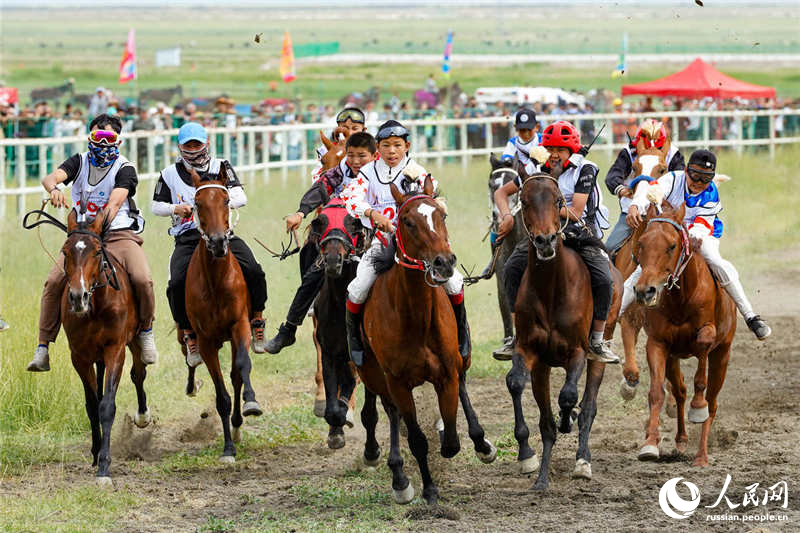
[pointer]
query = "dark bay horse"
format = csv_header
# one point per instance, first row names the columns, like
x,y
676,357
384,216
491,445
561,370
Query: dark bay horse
x,y
218,307
100,318
337,235
688,314
411,337
553,315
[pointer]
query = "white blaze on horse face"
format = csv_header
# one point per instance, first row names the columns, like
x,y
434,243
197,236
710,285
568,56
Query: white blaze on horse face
x,y
427,210
648,163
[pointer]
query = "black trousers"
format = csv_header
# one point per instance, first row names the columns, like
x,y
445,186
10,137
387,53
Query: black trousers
x,y
179,264
596,261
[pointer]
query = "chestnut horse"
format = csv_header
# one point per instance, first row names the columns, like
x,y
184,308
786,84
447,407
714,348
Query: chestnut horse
x,y
688,314
411,337
218,306
553,316
100,318
337,235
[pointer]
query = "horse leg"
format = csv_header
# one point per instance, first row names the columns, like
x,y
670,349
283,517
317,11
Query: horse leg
x,y
502,301
417,442
630,370
568,397
192,385
515,381
678,388
210,354
89,381
698,408
657,361
335,409
108,410
320,396
138,374
236,381
369,418
540,383
717,369
101,374
347,383
241,342
484,449
448,394
594,377
402,489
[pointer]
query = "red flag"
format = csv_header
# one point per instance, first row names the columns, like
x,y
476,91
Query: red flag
x,y
287,59
127,67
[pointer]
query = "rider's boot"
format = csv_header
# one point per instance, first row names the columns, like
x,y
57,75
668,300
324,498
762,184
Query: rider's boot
x,y
41,360
284,338
600,349
193,357
147,343
758,326
259,342
460,310
353,318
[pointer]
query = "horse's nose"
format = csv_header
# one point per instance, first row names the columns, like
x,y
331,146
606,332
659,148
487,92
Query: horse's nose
x,y
444,265
218,245
646,295
78,299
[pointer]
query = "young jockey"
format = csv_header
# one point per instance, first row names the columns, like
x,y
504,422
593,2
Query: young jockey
x,y
577,179
369,198
360,151
110,182
695,188
174,197
619,177
350,118
527,138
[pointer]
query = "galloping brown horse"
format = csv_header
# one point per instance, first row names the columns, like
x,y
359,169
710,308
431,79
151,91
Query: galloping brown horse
x,y
100,319
411,337
218,307
553,315
688,314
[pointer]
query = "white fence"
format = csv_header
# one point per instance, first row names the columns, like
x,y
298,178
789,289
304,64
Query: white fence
x,y
264,149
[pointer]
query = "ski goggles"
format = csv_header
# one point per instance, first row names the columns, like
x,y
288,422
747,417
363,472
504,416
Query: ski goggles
x,y
350,114
392,131
701,176
103,137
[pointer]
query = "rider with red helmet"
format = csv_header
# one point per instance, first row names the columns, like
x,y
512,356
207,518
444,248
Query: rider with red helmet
x,y
563,159
620,174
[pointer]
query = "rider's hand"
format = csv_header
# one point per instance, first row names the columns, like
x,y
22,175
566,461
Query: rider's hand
x,y
183,210
57,198
634,218
625,192
506,225
293,221
380,222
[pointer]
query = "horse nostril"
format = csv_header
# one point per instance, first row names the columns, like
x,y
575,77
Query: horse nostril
x,y
453,260
539,240
553,239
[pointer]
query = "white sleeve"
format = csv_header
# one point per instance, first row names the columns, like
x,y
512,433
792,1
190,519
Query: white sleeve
x,y
509,152
355,196
237,196
162,209
644,190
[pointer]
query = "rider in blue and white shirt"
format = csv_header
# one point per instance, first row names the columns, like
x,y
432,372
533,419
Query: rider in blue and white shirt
x,y
695,189
519,147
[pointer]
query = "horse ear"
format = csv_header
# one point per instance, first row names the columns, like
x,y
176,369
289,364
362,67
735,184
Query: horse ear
x,y
428,187
223,174
666,147
352,225
195,177
396,194
327,142
340,135
318,226
72,219
652,211
98,224
680,213
640,146
493,161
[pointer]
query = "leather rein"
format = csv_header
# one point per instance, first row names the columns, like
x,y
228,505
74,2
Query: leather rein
x,y
686,251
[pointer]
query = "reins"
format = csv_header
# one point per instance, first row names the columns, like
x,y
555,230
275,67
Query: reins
x,y
231,223
405,260
561,203
686,251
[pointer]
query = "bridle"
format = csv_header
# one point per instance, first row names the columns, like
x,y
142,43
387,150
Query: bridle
x,y
686,251
107,266
406,260
341,235
562,202
231,211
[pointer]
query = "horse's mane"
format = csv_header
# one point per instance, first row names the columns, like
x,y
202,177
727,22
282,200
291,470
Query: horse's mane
x,y
384,259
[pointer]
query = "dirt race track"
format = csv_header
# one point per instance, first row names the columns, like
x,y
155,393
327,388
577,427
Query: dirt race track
x,y
754,439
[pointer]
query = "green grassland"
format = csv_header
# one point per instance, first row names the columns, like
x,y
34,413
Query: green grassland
x,y
46,47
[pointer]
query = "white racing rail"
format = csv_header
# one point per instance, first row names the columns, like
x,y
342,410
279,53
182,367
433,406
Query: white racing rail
x,y
262,149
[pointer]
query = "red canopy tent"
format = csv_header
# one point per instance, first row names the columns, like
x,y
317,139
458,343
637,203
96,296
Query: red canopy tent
x,y
698,80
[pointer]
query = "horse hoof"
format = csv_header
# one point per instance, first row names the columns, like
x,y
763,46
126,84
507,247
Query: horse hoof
x,y
335,442
252,408
488,457
583,470
626,390
104,482
236,434
197,384
349,419
372,463
227,459
142,420
648,453
529,465
404,496
698,416
319,408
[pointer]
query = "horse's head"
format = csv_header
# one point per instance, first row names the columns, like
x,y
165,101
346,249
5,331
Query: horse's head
x,y
336,148
541,205
660,250
652,148
502,172
212,211
83,257
421,235
337,234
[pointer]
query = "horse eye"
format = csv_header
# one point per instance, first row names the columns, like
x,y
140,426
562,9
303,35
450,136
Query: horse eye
x,y
408,222
671,248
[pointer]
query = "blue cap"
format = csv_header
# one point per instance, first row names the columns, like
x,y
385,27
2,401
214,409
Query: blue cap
x,y
192,131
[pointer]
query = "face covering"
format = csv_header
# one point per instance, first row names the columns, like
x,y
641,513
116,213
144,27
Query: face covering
x,y
196,158
102,156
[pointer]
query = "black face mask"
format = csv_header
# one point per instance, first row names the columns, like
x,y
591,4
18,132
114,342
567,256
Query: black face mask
x,y
196,158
